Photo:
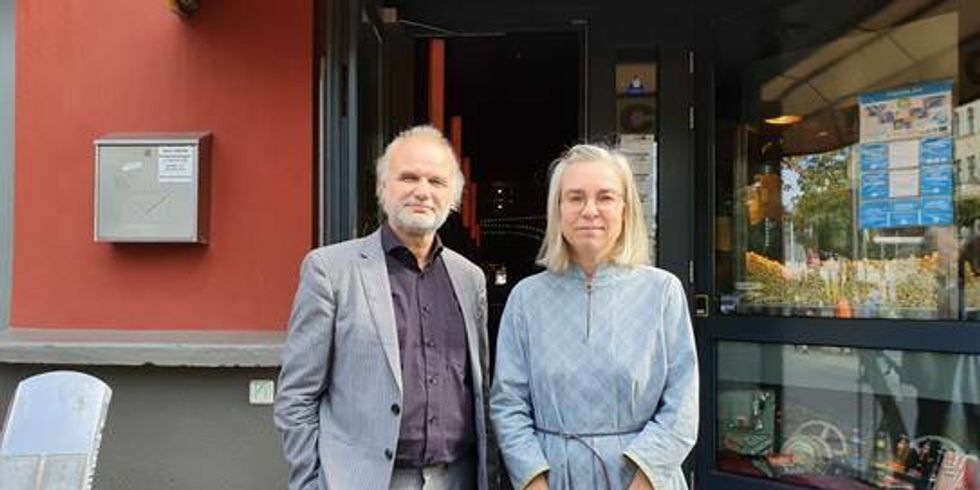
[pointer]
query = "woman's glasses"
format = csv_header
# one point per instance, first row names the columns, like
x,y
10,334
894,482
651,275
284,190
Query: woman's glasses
x,y
603,201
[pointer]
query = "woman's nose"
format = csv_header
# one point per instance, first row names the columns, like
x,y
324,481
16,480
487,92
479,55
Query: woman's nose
x,y
590,208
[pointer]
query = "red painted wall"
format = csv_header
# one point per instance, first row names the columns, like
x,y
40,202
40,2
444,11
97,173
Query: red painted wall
x,y
239,68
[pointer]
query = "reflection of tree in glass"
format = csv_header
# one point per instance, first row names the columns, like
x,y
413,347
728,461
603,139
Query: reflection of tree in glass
x,y
820,200
967,210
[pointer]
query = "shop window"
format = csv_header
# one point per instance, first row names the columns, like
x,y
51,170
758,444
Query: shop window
x,y
839,417
836,168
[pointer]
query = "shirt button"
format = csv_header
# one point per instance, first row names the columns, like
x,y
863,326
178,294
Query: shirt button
x,y
432,380
432,420
430,343
425,308
395,409
389,454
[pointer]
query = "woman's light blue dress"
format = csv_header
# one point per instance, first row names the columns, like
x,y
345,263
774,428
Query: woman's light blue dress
x,y
617,356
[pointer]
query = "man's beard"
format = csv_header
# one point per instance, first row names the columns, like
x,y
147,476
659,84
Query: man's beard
x,y
408,221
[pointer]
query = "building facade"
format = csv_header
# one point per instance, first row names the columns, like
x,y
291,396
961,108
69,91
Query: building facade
x,y
809,170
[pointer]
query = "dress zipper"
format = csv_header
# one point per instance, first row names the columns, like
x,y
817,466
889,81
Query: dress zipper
x,y
588,310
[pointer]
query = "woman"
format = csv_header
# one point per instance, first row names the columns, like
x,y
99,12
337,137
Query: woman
x,y
596,383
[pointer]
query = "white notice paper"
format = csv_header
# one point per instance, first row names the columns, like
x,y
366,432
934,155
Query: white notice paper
x,y
131,166
903,154
903,183
175,164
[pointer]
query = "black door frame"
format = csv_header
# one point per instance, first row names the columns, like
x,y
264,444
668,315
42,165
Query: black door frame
x,y
338,114
683,124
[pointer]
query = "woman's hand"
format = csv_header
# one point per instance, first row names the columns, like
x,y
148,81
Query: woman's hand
x,y
640,482
539,482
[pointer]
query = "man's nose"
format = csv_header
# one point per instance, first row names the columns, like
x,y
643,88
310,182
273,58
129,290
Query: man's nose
x,y
422,190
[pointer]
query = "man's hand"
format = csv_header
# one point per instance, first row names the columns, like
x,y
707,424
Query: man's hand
x,y
640,482
539,482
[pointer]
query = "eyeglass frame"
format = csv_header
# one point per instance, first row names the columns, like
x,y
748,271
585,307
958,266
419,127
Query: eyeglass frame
x,y
612,197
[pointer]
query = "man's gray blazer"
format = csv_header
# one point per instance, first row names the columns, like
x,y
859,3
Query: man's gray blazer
x,y
340,388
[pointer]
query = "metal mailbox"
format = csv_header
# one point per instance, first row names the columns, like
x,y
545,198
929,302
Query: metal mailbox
x,y
152,187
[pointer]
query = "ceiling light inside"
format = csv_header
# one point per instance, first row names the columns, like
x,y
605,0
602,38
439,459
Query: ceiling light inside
x,y
784,120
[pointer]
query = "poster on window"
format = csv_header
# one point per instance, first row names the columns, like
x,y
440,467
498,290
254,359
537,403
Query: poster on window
x,y
911,185
906,157
918,111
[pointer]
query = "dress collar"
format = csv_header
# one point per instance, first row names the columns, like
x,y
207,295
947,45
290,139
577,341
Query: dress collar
x,y
607,273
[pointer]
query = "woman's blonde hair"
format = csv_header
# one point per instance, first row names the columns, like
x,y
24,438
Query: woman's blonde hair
x,y
631,248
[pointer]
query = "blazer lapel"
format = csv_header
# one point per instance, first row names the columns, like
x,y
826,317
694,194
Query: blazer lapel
x,y
374,279
465,297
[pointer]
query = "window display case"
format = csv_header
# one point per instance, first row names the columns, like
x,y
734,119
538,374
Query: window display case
x,y
838,417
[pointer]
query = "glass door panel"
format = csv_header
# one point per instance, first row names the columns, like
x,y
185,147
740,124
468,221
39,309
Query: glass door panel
x,y
847,183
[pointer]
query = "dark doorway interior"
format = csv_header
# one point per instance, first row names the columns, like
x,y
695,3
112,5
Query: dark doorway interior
x,y
518,96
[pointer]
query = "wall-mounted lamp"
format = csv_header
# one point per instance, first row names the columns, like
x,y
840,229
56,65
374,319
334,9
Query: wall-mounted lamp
x,y
184,8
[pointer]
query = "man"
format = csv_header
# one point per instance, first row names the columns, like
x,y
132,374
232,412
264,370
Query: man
x,y
384,369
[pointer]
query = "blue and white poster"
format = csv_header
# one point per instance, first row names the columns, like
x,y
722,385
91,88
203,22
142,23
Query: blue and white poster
x,y
874,157
874,185
937,151
918,111
906,157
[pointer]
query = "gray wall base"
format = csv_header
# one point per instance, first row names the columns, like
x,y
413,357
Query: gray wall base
x,y
141,347
178,428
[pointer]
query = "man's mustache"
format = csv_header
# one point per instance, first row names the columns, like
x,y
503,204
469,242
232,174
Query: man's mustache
x,y
418,205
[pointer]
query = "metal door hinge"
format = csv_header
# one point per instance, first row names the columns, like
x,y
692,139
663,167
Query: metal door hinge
x,y
690,62
690,271
690,117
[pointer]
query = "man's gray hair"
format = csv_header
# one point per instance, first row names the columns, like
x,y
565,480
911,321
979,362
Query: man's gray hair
x,y
424,131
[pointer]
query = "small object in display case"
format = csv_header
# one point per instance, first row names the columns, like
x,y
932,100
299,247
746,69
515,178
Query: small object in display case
x,y
855,445
826,432
785,464
881,456
922,463
749,421
808,453
901,453
958,472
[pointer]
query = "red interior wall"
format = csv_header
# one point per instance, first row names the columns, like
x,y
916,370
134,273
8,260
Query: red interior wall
x,y
239,68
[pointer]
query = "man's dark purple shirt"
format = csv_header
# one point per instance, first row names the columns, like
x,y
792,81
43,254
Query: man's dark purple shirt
x,y
437,409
